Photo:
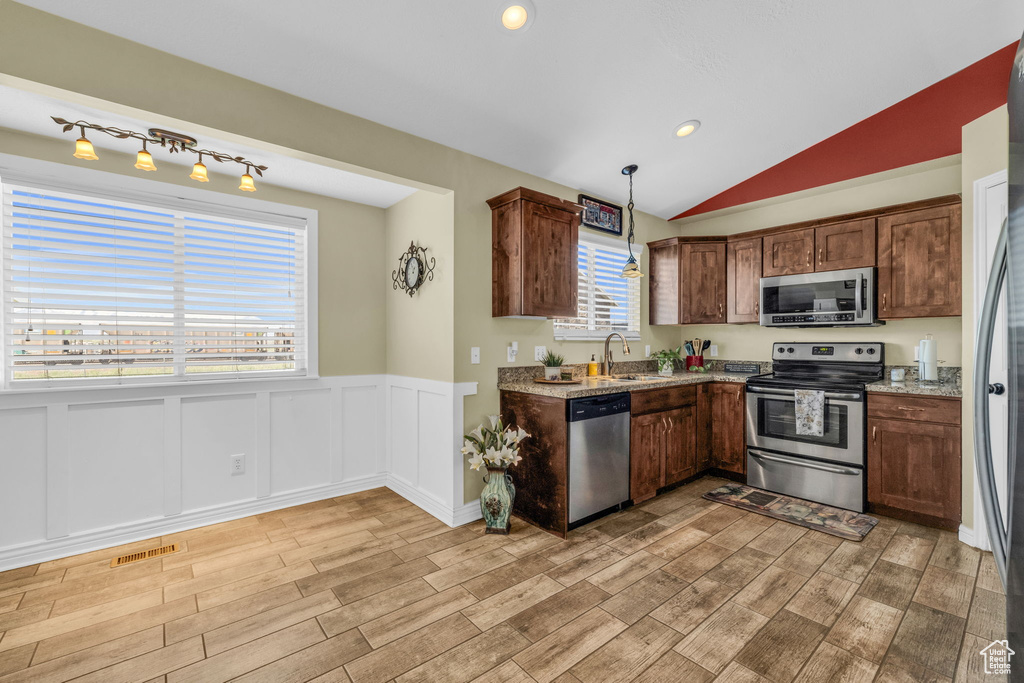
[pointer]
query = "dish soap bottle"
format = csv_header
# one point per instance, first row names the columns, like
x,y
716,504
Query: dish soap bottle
x,y
592,366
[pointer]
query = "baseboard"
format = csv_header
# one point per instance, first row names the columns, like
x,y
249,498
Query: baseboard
x,y
452,517
52,549
470,512
968,537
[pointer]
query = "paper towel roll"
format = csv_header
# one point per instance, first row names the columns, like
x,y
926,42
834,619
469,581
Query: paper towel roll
x,y
928,360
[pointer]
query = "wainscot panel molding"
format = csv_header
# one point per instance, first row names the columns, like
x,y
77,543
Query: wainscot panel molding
x,y
86,469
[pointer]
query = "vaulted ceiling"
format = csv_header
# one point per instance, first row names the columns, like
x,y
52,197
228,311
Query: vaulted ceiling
x,y
592,85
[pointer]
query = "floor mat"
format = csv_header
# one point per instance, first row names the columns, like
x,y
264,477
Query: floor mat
x,y
836,521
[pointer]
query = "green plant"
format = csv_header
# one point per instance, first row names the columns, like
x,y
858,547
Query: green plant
x,y
553,360
668,354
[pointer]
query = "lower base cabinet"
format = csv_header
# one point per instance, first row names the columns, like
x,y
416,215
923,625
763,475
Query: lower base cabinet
x,y
914,453
728,419
663,450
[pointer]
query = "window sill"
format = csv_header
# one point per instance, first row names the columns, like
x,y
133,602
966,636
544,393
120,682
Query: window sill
x,y
232,385
595,336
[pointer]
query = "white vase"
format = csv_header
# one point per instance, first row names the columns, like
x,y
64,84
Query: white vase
x,y
552,373
665,366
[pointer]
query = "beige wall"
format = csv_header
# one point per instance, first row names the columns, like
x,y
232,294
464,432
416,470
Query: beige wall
x,y
921,181
985,151
351,319
420,329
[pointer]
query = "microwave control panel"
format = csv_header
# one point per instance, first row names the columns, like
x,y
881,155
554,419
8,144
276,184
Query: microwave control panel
x,y
815,318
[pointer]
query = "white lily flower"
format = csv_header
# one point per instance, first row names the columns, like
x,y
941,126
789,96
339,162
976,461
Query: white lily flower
x,y
493,456
494,421
477,433
521,434
515,459
476,461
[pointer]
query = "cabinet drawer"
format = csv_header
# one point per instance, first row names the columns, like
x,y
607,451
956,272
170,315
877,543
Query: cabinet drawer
x,y
917,408
656,400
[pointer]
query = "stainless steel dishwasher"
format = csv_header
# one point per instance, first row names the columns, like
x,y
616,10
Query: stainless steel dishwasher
x,y
598,454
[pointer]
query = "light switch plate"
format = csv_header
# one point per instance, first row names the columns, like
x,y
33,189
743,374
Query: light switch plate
x,y
511,353
714,350
647,351
474,355
539,352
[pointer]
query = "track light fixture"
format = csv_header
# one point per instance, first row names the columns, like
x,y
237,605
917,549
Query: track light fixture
x,y
175,142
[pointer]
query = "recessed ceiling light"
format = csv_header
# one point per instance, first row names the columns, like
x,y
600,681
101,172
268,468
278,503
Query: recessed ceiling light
x,y
515,16
687,128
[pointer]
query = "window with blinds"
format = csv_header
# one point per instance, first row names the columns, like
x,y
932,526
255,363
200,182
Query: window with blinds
x,y
607,303
111,291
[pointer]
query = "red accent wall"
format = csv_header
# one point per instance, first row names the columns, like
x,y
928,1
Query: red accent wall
x,y
923,127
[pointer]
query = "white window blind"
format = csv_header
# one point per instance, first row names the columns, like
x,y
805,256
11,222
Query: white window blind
x,y
102,290
607,303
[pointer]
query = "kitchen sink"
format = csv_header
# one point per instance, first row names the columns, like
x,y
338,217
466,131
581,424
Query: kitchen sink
x,y
639,378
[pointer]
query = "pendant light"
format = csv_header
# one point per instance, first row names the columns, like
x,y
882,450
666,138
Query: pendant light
x,y
199,171
247,184
632,268
144,160
83,148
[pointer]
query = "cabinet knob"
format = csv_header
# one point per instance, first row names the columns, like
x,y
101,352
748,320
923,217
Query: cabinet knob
x,y
874,434
820,256
884,308
757,308
719,310
808,258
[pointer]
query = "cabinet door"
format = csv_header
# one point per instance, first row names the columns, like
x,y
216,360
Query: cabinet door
x,y
789,253
704,392
914,466
845,245
663,285
919,272
728,436
681,451
550,254
743,274
648,442
703,282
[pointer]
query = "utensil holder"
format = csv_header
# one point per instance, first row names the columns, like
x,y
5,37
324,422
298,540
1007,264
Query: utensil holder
x,y
694,361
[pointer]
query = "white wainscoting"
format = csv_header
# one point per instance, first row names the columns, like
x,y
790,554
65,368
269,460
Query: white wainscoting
x,y
92,468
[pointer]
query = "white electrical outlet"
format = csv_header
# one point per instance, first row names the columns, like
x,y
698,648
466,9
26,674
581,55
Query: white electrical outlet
x,y
647,351
511,354
539,352
714,350
237,464
474,355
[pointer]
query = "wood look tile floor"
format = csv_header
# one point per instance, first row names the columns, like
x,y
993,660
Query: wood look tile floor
x,y
370,589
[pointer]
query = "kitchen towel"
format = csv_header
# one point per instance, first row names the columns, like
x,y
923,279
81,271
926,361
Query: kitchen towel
x,y
810,412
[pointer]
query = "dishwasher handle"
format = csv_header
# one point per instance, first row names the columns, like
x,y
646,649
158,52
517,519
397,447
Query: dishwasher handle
x,y
593,407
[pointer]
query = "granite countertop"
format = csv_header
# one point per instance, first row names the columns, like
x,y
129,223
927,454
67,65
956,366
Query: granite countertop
x,y
915,386
596,386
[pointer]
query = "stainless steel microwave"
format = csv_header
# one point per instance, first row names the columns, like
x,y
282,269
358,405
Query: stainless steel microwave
x,y
839,298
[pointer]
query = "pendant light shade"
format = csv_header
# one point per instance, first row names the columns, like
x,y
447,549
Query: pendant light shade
x,y
631,269
144,161
84,150
199,173
247,184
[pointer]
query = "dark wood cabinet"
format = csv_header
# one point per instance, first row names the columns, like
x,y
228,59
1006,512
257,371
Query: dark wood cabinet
x,y
845,245
663,283
743,273
788,253
534,251
703,426
662,439
728,433
702,298
914,453
919,269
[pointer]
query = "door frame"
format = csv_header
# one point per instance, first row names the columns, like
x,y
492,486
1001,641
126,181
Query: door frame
x,y
978,536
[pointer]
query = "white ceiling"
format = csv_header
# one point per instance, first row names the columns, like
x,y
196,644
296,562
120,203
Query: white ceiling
x,y
593,85
31,112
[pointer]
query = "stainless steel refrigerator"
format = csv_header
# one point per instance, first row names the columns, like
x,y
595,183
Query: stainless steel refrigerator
x,y
1007,535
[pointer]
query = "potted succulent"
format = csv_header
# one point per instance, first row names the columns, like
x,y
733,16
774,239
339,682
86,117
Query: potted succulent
x,y
495,447
666,360
552,365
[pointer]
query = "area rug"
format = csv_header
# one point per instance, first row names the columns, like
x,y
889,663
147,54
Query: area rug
x,y
836,521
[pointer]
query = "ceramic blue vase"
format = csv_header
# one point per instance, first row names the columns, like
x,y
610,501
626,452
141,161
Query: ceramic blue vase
x,y
496,500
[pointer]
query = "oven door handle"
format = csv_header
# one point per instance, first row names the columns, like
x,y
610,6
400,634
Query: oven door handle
x,y
859,296
789,393
808,464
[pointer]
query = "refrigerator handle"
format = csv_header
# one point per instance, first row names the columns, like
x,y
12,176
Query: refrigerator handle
x,y
982,435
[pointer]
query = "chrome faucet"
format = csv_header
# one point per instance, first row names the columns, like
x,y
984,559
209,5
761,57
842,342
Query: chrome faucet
x,y
608,362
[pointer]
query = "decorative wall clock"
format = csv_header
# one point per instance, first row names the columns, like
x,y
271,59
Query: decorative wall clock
x,y
414,268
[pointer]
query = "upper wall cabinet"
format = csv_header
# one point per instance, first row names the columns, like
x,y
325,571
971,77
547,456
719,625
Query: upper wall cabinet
x,y
534,251
789,253
743,273
919,273
845,245
687,281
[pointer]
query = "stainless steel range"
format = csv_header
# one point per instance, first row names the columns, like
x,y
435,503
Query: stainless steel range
x,y
826,467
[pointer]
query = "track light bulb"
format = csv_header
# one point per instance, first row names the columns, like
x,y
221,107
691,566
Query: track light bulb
x,y
84,150
247,184
199,173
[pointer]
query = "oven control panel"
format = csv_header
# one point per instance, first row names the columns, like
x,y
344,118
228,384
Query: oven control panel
x,y
863,352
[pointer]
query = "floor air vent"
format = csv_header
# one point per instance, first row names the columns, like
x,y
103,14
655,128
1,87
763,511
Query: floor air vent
x,y
144,555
